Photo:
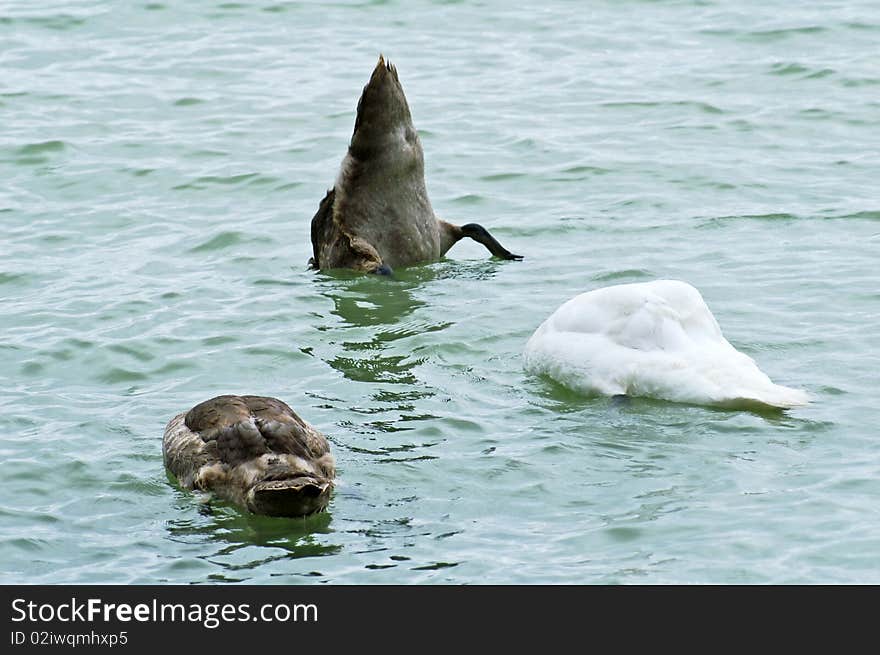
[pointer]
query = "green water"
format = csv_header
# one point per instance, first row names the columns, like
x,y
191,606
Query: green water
x,y
161,163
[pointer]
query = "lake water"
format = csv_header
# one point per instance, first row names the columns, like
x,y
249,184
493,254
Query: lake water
x,y
161,162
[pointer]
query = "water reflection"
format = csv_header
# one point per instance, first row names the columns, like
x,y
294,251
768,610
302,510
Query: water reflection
x,y
375,312
365,300
375,332
373,300
232,535
550,394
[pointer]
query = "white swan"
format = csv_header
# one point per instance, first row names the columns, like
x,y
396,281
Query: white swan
x,y
656,339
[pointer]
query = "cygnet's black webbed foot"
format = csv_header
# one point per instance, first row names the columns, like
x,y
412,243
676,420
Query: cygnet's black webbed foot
x,y
481,235
384,269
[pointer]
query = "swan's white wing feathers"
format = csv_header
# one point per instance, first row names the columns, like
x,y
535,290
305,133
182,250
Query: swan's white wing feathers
x,y
655,339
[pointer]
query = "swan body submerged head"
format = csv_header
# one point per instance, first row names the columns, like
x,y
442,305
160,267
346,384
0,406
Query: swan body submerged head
x,y
377,216
253,451
655,339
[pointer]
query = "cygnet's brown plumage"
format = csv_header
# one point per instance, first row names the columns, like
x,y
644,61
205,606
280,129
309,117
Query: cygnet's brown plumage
x,y
253,451
378,216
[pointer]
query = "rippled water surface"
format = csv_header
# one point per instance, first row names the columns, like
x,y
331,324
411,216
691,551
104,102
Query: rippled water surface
x,y
161,162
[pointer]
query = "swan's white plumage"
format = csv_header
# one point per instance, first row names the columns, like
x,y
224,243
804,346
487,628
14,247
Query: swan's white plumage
x,y
656,339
